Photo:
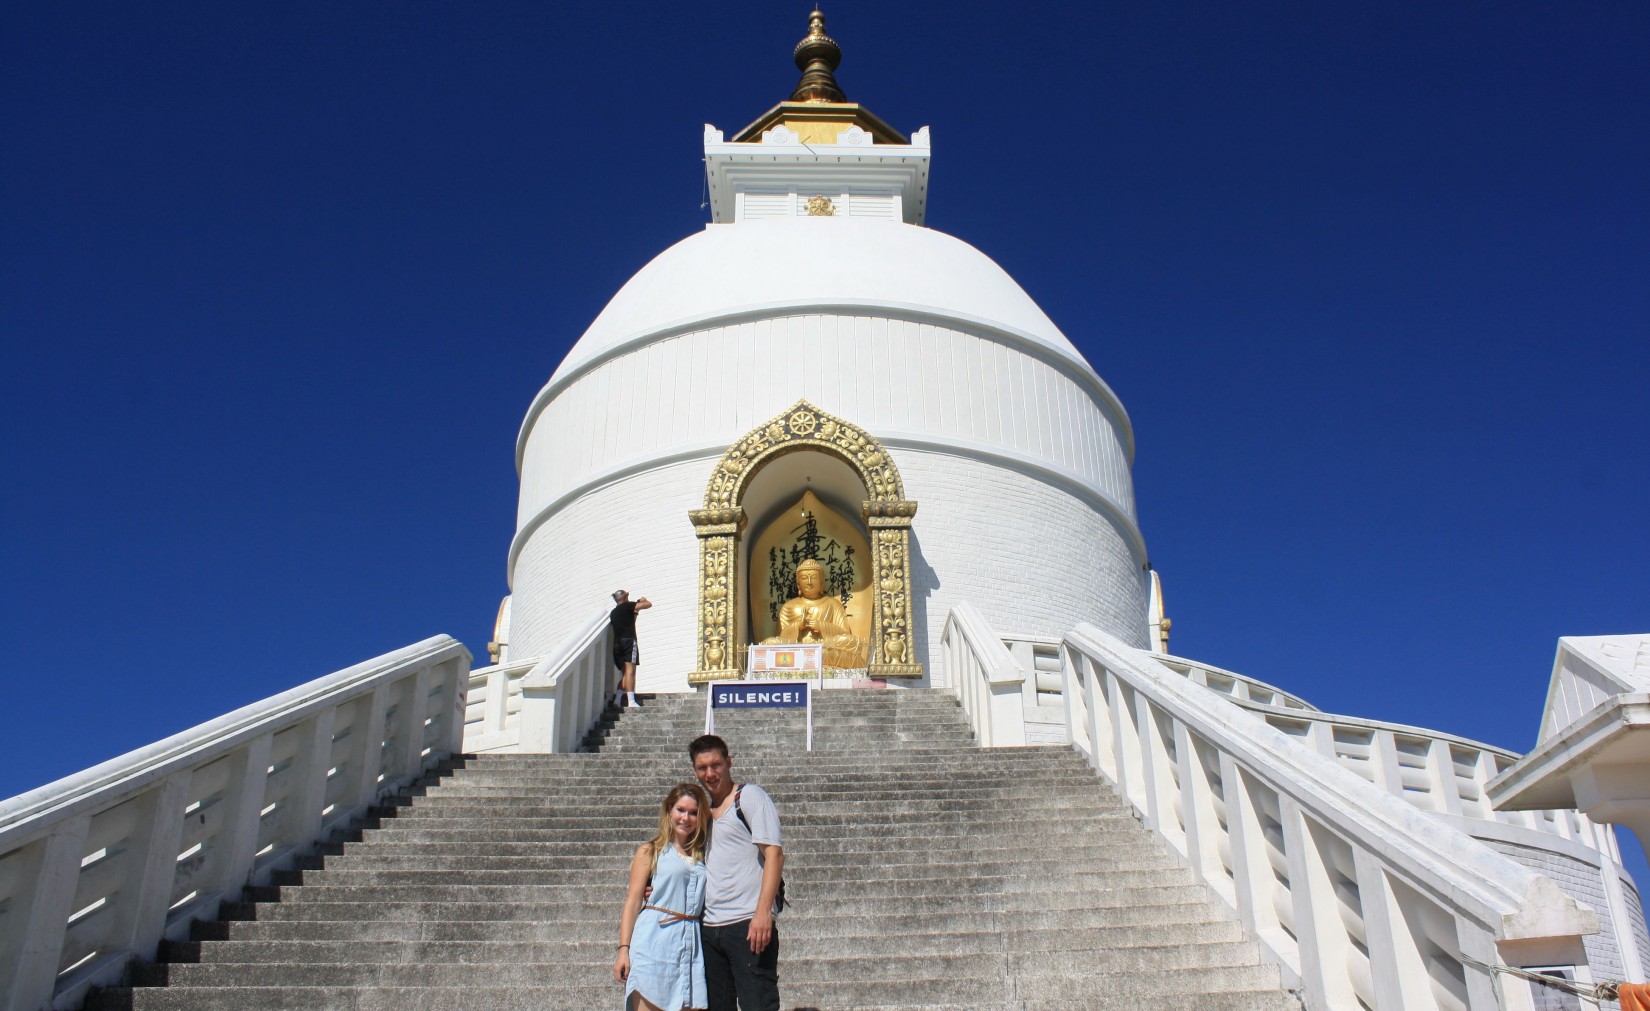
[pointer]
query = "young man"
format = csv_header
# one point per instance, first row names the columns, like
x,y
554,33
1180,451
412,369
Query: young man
x,y
743,867
626,655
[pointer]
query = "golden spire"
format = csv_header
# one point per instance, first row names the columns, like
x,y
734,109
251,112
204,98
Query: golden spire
x,y
817,56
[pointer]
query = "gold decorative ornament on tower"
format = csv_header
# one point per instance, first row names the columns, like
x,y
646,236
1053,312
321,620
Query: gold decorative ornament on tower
x,y
887,514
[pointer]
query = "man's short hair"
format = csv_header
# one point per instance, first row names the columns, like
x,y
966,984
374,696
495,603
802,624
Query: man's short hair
x,y
704,743
619,595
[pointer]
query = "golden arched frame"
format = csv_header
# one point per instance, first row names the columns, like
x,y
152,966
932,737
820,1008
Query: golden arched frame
x,y
887,515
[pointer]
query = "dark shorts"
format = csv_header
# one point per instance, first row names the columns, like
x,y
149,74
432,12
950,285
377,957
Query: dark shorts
x,y
625,651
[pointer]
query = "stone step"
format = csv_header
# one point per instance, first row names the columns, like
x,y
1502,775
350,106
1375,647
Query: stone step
x,y
598,954
970,933
821,918
925,895
923,872
1063,974
872,998
804,866
608,852
413,884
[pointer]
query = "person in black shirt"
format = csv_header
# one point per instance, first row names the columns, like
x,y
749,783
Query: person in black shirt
x,y
626,656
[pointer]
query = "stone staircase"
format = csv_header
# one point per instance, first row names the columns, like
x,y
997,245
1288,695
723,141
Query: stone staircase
x,y
923,872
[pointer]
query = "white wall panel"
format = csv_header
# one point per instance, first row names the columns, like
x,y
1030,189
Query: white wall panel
x,y
882,374
1034,558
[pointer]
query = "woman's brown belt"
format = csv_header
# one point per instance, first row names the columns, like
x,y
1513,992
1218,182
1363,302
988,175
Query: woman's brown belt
x,y
672,916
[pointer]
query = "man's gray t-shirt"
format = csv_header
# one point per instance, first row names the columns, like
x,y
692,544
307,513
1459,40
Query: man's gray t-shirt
x,y
733,875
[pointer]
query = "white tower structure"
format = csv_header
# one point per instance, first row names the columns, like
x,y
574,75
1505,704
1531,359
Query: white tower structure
x,y
818,304
818,375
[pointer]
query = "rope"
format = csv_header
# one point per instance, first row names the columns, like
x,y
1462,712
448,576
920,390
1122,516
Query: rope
x,y
1591,992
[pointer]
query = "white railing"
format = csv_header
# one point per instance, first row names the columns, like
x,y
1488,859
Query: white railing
x,y
985,678
492,717
565,692
1239,687
97,868
1429,770
1361,899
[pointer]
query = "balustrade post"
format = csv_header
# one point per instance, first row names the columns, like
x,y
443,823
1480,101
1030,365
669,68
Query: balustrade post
x,y
309,784
453,677
538,717
1441,769
139,916
237,842
1252,879
1126,745
407,756
367,754
1099,717
1069,682
1321,735
1198,814
1319,929
497,705
1388,775
1154,774
36,918
1393,958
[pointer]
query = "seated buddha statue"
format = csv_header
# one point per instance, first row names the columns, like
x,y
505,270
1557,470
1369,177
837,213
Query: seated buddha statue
x,y
813,616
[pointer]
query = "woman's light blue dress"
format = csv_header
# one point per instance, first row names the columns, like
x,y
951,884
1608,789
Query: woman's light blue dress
x,y
667,966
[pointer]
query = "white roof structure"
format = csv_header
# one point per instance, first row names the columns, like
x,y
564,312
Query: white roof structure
x,y
1593,752
817,288
747,270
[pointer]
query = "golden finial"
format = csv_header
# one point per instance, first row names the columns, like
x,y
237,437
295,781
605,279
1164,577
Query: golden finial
x,y
817,56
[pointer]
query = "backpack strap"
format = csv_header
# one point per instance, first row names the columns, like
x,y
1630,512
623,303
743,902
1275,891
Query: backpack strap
x,y
737,810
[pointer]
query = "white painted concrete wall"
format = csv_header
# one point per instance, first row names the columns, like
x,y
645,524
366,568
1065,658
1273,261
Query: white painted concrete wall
x,y
1031,555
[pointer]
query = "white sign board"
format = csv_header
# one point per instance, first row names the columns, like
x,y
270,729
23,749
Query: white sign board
x,y
785,660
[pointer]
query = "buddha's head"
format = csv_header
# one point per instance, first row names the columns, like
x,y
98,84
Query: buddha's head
x,y
810,579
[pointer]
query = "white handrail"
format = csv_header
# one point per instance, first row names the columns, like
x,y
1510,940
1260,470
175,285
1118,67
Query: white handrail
x,y
1240,687
97,868
985,678
1359,897
565,692
1430,770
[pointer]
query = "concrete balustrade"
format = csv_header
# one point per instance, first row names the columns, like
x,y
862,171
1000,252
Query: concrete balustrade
x,y
985,678
492,717
1431,770
98,868
564,693
1362,899
1240,687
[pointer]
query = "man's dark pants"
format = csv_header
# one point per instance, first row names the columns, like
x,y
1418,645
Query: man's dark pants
x,y
732,971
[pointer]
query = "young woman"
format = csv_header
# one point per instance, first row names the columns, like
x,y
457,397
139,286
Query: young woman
x,y
659,959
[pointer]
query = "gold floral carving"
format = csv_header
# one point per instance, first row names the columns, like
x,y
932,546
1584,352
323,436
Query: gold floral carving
x,y
820,206
887,513
718,531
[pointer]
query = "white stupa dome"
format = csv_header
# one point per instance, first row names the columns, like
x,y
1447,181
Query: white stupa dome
x,y
751,268
817,282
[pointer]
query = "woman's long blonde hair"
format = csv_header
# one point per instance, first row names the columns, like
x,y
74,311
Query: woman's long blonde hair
x,y
663,839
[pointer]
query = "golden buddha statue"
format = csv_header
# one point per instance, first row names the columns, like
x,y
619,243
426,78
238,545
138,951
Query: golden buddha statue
x,y
815,617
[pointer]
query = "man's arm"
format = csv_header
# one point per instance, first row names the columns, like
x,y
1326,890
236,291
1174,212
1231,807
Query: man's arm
x,y
643,604
760,933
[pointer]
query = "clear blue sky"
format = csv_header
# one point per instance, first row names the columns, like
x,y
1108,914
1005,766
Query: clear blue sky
x,y
277,283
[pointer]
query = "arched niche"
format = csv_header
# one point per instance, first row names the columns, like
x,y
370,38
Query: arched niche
x,y
759,474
